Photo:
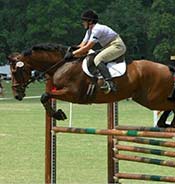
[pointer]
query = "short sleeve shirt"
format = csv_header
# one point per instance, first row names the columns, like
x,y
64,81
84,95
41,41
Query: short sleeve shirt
x,y
100,33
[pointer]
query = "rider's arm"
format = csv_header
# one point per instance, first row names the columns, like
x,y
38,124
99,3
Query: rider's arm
x,y
83,49
82,44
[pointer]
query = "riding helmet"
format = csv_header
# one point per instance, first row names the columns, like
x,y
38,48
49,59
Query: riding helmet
x,y
89,15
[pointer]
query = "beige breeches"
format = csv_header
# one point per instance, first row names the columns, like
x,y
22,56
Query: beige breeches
x,y
112,51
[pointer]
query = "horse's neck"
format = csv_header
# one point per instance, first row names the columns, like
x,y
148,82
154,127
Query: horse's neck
x,y
69,70
43,63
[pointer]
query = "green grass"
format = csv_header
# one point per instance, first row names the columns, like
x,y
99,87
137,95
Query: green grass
x,y
80,158
35,89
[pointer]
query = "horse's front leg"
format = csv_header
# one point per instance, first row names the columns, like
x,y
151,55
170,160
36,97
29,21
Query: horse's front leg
x,y
46,101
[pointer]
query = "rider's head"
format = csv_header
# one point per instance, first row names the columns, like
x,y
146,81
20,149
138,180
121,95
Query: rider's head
x,y
90,17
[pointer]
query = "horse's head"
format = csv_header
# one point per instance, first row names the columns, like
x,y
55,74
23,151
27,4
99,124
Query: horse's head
x,y
20,73
41,57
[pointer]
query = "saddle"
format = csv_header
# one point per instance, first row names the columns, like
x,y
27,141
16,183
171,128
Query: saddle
x,y
116,67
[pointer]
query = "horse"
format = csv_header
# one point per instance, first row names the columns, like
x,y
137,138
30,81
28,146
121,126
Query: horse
x,y
146,82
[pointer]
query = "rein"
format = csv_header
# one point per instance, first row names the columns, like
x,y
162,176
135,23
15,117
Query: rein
x,y
33,79
53,67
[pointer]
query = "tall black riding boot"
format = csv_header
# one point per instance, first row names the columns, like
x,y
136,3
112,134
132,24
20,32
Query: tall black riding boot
x,y
108,85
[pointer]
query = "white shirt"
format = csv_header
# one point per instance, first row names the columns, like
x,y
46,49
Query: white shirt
x,y
100,33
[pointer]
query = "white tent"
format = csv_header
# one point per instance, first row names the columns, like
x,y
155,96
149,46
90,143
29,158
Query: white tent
x,y
5,71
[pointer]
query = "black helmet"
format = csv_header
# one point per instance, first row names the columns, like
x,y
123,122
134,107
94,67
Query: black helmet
x,y
89,15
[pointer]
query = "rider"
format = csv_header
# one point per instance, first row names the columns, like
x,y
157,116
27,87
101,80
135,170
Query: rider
x,y
113,46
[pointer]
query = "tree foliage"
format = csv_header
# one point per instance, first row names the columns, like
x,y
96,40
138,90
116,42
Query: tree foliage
x,y
130,21
161,30
146,26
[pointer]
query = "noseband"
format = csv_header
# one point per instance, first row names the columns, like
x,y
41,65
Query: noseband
x,y
20,75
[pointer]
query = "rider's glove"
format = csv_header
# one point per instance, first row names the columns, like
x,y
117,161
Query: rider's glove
x,y
68,56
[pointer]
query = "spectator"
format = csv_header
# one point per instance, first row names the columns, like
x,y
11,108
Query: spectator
x,y
1,87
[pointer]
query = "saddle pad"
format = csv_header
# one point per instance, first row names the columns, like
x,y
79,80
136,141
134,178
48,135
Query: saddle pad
x,y
115,69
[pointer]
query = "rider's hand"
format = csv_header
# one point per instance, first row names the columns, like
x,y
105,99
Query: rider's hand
x,y
68,56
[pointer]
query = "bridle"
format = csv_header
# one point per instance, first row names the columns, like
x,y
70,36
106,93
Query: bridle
x,y
21,70
19,75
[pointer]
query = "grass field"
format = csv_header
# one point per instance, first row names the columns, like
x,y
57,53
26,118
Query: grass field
x,y
80,158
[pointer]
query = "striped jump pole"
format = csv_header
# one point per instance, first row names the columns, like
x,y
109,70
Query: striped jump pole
x,y
143,150
50,141
113,167
138,128
145,160
147,141
114,132
144,177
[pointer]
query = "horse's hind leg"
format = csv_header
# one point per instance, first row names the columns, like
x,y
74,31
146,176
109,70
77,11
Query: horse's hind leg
x,y
59,114
173,121
162,120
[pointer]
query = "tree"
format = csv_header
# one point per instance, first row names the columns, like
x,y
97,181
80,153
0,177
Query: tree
x,y
146,26
129,19
161,31
12,26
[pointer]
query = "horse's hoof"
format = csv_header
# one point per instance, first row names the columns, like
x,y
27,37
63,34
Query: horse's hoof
x,y
44,98
162,125
59,115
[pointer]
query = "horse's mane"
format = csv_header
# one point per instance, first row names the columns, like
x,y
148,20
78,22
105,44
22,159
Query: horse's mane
x,y
45,47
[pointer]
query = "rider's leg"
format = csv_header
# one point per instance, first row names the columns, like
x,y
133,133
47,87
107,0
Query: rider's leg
x,y
108,85
114,50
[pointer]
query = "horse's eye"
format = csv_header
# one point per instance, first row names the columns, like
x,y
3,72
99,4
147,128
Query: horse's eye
x,y
19,64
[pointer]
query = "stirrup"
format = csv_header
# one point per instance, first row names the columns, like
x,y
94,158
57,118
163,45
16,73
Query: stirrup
x,y
106,87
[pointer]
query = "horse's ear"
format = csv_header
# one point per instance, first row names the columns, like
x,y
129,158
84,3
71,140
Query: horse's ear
x,y
13,57
9,59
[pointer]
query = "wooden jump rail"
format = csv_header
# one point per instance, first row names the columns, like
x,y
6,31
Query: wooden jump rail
x,y
143,177
147,141
143,150
114,132
137,128
145,160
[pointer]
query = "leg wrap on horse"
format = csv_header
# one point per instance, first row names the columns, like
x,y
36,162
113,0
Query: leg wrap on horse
x,y
44,98
58,115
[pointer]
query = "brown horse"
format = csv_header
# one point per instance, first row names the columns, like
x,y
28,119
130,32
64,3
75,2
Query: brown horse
x,y
147,82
